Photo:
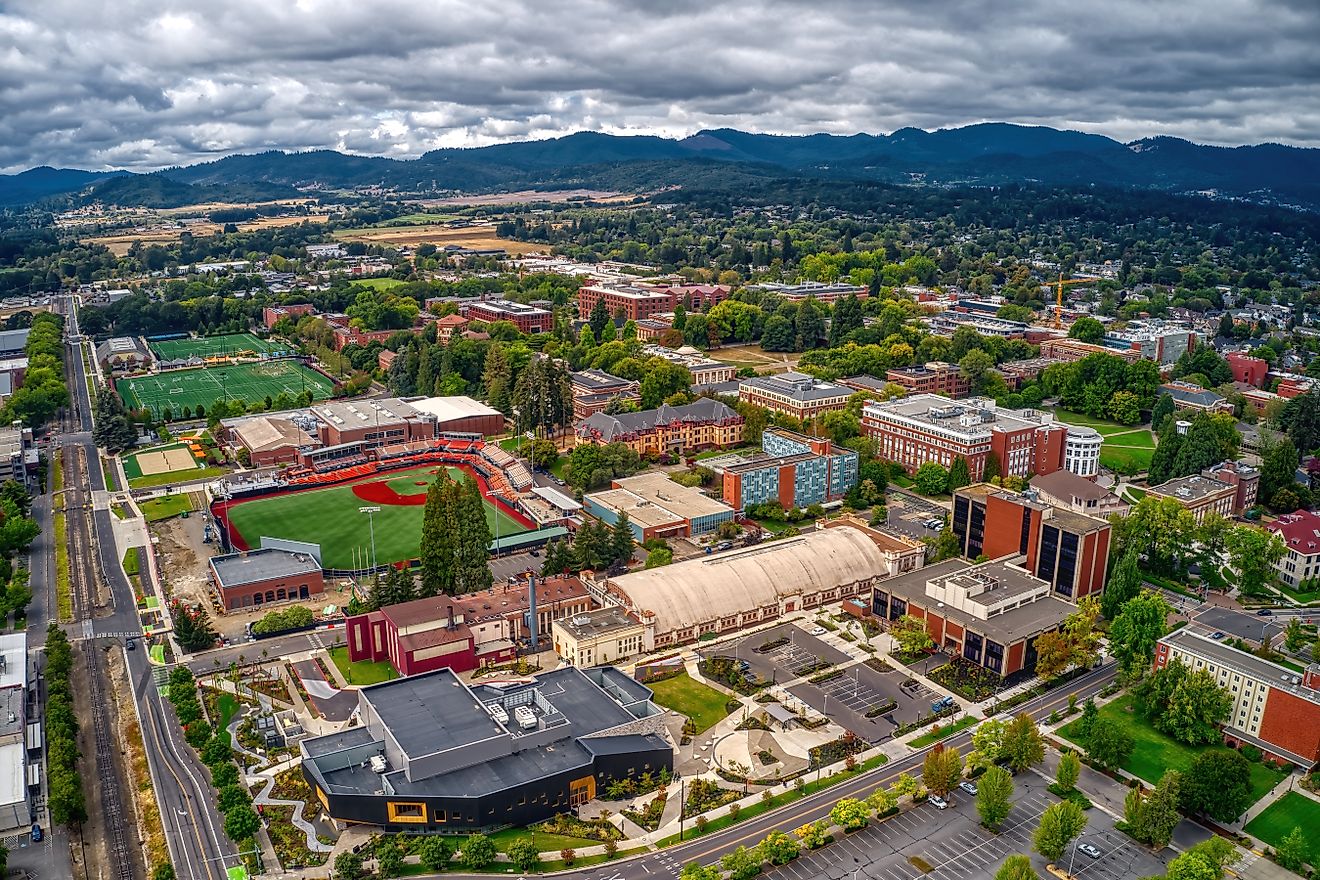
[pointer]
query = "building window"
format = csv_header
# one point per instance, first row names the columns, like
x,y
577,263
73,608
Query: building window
x,y
406,811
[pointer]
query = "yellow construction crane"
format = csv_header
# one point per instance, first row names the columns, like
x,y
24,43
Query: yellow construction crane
x,y
1058,300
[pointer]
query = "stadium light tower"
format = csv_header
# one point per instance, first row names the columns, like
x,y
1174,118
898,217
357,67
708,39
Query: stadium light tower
x,y
371,524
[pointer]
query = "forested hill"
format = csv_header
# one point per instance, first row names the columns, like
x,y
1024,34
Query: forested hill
x,y
986,154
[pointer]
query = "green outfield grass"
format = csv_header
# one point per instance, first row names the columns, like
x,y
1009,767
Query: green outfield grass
x,y
331,517
250,383
231,344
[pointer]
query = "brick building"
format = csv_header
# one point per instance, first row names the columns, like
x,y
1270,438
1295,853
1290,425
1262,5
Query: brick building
x,y
935,377
797,471
703,424
1199,494
1274,709
1067,550
1243,477
794,394
462,632
271,315
255,578
447,326
928,427
528,319
1291,386
269,440
1065,349
370,422
990,614
1247,369
459,414
625,302
594,390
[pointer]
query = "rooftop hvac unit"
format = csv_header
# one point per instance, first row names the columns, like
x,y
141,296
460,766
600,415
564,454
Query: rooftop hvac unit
x,y
378,764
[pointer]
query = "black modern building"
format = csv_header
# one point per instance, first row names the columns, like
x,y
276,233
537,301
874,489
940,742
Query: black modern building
x,y
434,753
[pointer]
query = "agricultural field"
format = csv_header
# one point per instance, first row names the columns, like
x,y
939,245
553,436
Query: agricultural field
x,y
178,390
438,235
229,345
331,517
119,243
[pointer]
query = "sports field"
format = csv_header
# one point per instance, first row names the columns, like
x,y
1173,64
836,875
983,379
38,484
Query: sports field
x,y
250,383
231,345
330,517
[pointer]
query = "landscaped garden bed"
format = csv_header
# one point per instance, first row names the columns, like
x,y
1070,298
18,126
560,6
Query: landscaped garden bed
x,y
834,751
969,680
882,708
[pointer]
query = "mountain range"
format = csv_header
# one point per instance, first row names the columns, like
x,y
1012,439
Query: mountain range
x,y
976,155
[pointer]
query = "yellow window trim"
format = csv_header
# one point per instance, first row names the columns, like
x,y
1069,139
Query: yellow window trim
x,y
392,808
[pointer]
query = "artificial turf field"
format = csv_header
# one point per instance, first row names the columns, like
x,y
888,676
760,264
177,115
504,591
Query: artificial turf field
x,y
330,517
203,386
229,345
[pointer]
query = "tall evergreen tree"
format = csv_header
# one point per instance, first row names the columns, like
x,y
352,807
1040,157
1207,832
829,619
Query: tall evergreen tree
x,y
1124,584
471,540
959,474
621,541
847,317
598,318
438,538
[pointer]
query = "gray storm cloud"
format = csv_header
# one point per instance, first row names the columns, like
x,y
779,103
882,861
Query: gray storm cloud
x,y
144,84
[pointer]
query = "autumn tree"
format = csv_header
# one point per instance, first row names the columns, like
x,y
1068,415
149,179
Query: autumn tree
x,y
941,770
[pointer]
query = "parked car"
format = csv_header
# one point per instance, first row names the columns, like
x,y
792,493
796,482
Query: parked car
x,y
724,545
938,802
968,786
36,834
1216,635
941,704
1264,612
1087,849
934,523
817,630
131,645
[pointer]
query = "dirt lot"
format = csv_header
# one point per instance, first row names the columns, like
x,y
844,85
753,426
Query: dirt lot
x,y
182,557
149,830
471,236
120,243
530,195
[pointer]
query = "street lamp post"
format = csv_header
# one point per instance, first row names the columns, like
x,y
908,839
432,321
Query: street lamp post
x,y
1072,858
371,525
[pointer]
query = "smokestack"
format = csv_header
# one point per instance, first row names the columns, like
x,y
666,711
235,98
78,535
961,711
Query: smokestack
x,y
450,624
531,612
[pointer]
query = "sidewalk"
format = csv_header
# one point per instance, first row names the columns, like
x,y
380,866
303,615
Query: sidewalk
x,y
1287,783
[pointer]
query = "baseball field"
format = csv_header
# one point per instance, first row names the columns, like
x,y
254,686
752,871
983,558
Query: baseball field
x,y
332,518
250,383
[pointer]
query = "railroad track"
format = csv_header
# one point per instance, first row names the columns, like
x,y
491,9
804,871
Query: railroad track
x,y
113,818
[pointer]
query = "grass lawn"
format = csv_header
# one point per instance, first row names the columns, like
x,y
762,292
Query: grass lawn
x,y
699,702
158,509
1291,811
1125,459
176,390
1140,438
165,479
945,730
213,346
1126,447
379,283
1104,426
363,672
227,706
1153,752
775,527
716,453
1300,598
331,517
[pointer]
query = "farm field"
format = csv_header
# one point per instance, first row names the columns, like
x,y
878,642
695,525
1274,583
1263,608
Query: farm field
x,y
331,517
120,243
471,236
530,195
227,345
179,389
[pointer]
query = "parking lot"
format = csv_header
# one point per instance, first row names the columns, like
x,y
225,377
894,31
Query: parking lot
x,y
954,845
848,698
780,663
908,514
1248,627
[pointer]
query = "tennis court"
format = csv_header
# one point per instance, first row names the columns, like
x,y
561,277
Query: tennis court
x,y
229,345
177,390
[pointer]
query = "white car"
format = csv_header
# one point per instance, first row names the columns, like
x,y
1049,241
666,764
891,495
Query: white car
x,y
969,787
1087,849
938,802
817,630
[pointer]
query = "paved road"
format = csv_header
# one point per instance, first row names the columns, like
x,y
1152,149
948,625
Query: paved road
x,y
193,826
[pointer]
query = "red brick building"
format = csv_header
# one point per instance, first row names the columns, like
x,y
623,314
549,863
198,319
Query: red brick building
x,y
446,327
528,319
990,614
1250,370
1291,386
935,377
462,632
628,303
1275,709
271,315
1067,550
1066,349
255,578
373,422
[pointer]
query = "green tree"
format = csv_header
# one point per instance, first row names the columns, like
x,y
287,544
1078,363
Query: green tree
x,y
1152,817
1087,329
241,823
439,533
348,866
1194,709
621,539
1293,851
1253,553
1022,746
911,634
478,852
849,813
941,769
658,557
1294,637
497,378
162,871
1016,868
778,848
1136,629
994,794
1070,768
1204,861
931,479
993,467
977,367
813,834
1216,784
742,863
987,743
524,854
389,857
1125,408
1124,583
662,380
472,545
1059,826
1108,745
1162,410
1278,469
696,871
959,475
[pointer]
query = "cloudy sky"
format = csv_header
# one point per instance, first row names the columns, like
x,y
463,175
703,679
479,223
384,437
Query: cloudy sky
x,y
142,84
